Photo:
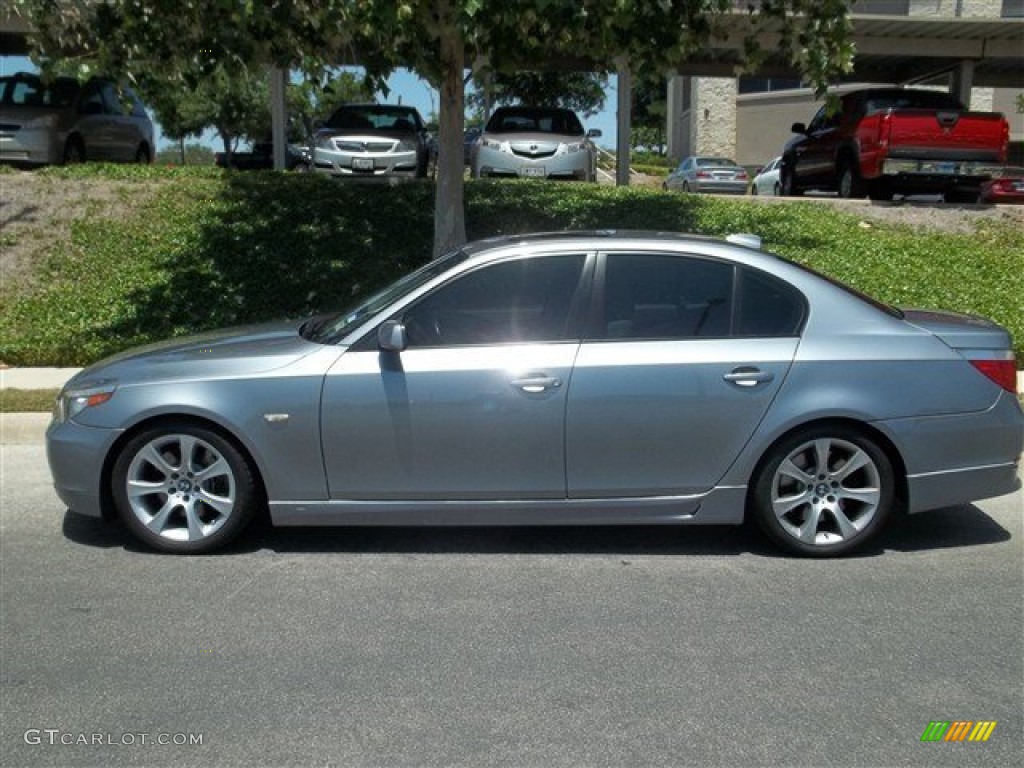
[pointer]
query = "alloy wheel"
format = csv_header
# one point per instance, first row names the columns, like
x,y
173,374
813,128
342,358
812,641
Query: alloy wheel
x,y
180,488
826,491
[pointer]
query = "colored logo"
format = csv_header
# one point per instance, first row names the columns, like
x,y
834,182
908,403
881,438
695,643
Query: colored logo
x,y
958,730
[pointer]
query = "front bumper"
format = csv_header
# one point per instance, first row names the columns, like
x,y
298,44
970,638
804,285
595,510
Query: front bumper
x,y
76,455
366,164
491,162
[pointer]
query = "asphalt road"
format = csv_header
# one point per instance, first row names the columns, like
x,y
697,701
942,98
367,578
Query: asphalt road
x,y
517,647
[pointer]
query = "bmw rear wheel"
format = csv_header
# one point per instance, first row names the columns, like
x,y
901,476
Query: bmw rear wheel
x,y
183,488
824,492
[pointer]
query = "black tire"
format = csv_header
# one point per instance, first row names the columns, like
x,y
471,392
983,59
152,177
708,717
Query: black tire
x,y
686,188
817,512
777,190
74,151
851,185
142,155
789,186
753,189
183,507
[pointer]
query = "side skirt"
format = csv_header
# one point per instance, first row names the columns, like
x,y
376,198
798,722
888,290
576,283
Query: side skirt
x,y
719,506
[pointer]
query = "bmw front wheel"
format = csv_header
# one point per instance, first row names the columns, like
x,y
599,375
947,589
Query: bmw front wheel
x,y
183,488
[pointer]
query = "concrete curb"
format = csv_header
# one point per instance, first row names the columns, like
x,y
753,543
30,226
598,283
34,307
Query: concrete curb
x,y
23,428
35,378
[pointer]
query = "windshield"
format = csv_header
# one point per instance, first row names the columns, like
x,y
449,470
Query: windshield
x,y
29,91
373,117
333,328
530,120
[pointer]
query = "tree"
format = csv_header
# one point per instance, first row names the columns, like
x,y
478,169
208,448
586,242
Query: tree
x,y
436,38
650,110
235,104
579,91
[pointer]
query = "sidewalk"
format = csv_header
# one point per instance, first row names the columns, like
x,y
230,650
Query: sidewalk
x,y
35,378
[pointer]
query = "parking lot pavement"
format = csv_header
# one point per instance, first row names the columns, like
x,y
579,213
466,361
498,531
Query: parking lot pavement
x,y
519,647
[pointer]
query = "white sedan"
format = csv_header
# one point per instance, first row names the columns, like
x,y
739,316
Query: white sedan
x,y
767,181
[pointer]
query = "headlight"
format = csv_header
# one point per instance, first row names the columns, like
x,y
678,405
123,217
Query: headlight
x,y
578,147
72,402
406,146
325,142
501,146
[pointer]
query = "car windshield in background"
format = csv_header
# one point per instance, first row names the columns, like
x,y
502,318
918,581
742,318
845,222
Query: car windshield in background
x,y
30,91
715,162
527,120
336,327
911,100
375,118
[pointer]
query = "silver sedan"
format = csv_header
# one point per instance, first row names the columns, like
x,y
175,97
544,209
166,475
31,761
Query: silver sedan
x,y
572,379
708,174
535,142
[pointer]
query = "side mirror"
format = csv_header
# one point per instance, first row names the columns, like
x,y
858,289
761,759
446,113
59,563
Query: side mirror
x,y
391,336
798,128
594,133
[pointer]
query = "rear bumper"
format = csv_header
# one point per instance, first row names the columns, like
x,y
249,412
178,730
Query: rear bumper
x,y
496,163
935,175
960,458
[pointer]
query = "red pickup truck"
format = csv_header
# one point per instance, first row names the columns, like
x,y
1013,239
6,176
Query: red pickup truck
x,y
886,141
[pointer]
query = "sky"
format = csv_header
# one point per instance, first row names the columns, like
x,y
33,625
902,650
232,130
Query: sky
x,y
403,84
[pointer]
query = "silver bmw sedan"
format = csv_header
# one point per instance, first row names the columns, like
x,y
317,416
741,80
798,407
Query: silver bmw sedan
x,y
595,378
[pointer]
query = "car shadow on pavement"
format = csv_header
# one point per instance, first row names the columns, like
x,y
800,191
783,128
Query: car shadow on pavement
x,y
961,526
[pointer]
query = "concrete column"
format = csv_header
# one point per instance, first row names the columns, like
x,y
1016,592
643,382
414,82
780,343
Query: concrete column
x,y
674,128
713,116
980,99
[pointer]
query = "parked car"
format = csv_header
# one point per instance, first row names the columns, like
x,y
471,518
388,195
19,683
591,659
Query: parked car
x,y
261,158
535,142
708,174
367,140
62,121
766,181
886,141
1007,188
569,379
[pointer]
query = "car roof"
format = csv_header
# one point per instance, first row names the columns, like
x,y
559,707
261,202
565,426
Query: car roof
x,y
595,238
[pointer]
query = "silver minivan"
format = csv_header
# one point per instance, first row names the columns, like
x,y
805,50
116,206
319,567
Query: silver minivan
x,y
64,121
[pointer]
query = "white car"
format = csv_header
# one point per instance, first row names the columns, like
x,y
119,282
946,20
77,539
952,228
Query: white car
x,y
767,181
535,142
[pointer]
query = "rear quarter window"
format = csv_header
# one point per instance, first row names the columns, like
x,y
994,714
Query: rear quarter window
x,y
768,307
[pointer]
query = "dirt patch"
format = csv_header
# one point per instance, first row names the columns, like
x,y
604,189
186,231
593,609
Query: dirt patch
x,y
37,211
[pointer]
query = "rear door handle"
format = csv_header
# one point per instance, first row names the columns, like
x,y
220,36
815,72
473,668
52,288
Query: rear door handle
x,y
537,384
748,376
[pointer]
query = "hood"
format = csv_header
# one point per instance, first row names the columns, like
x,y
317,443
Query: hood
x,y
234,352
536,137
960,331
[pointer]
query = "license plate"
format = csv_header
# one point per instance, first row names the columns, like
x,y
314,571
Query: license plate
x,y
362,163
535,171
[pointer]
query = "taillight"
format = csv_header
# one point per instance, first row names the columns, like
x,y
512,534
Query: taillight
x,y
884,129
741,174
703,174
1002,372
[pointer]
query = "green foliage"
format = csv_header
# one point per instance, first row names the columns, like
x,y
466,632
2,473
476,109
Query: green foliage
x,y
27,400
209,248
582,92
195,154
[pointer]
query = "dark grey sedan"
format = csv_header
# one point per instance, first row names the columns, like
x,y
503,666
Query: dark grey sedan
x,y
572,379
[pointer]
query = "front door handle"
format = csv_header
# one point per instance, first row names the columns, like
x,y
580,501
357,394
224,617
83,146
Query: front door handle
x,y
748,376
537,384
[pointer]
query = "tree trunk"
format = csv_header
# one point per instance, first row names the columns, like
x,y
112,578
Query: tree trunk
x,y
229,149
449,206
